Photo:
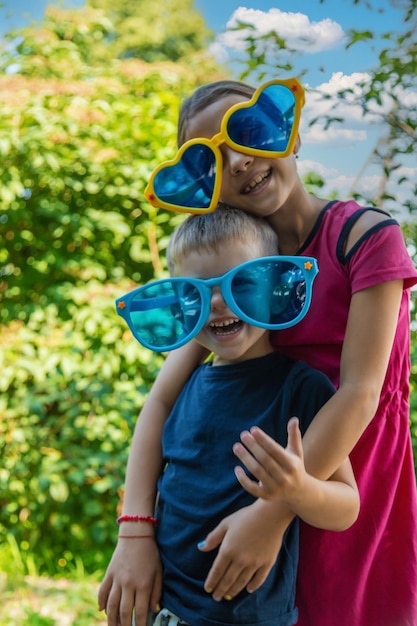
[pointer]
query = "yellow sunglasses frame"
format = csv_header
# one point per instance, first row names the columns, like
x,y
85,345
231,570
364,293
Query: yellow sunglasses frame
x,y
221,138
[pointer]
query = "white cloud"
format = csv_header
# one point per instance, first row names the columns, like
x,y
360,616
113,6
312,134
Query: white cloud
x,y
335,134
299,32
330,105
322,103
338,81
348,107
219,52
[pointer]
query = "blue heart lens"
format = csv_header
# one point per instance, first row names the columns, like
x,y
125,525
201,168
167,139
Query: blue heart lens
x,y
267,124
190,182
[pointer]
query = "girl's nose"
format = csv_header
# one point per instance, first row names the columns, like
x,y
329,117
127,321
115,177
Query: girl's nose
x,y
236,162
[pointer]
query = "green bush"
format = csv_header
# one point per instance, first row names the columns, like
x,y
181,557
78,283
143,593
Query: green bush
x,y
70,392
77,144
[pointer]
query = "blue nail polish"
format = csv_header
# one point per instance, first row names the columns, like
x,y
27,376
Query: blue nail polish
x,y
201,544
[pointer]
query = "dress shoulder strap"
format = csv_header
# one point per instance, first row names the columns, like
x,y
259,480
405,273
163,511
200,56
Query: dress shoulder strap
x,y
347,227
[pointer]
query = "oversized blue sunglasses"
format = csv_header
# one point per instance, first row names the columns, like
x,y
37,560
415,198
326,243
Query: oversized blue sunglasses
x,y
265,126
270,292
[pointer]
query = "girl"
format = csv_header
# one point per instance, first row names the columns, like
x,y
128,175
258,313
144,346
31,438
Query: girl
x,y
240,145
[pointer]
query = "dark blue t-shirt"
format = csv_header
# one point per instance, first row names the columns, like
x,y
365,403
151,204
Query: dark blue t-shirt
x,y
198,487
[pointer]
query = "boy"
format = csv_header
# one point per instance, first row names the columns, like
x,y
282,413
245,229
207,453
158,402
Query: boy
x,y
245,385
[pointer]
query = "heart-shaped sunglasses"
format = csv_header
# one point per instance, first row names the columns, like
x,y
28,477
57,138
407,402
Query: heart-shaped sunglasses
x,y
266,126
268,292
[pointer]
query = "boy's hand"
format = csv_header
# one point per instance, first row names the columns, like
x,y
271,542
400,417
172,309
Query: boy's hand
x,y
249,541
280,472
133,582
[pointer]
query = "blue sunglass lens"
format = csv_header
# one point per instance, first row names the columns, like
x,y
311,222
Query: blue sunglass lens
x,y
164,314
267,124
190,182
270,292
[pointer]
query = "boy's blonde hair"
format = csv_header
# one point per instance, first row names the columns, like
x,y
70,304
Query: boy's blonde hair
x,y
220,228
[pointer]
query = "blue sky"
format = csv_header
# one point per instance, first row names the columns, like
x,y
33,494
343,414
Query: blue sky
x,y
317,31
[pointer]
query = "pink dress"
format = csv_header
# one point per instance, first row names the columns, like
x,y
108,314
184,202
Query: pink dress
x,y
367,575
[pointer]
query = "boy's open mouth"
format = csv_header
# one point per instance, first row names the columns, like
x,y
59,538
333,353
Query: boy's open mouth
x,y
227,327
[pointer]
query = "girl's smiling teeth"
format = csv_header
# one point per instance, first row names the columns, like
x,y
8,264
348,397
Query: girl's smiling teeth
x,y
257,181
226,327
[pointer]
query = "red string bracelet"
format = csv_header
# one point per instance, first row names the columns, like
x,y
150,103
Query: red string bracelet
x,y
137,518
136,537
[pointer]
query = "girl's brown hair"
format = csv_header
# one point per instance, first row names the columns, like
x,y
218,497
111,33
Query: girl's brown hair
x,y
204,96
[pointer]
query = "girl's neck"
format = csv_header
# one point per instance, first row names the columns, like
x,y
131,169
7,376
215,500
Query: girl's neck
x,y
294,222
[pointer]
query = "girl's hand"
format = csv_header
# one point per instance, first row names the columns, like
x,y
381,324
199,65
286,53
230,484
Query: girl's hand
x,y
282,480
249,541
133,581
280,472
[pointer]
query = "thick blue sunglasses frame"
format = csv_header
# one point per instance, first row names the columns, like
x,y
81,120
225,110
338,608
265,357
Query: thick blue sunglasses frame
x,y
269,292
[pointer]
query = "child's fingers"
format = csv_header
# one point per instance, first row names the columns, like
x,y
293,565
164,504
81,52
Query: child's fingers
x,y
276,469
214,582
269,454
265,476
254,488
103,593
250,454
156,592
213,539
267,482
295,444
233,581
258,579
112,607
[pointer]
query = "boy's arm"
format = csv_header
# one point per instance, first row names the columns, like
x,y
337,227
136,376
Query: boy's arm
x,y
145,457
133,579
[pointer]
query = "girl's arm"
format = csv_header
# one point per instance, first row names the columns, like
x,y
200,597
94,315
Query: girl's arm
x,y
280,476
370,332
251,538
134,577
367,345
